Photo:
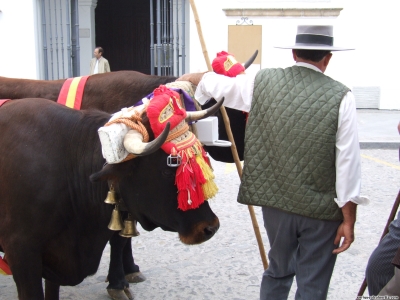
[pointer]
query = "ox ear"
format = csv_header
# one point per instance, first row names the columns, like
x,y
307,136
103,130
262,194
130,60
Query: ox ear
x,y
112,171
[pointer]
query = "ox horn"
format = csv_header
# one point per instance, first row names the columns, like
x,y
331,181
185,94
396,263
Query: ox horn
x,y
197,115
133,142
251,60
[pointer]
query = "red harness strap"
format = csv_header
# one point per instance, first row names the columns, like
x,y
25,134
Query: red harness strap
x,y
2,101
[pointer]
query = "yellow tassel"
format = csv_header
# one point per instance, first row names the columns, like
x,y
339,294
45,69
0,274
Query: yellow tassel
x,y
210,189
207,172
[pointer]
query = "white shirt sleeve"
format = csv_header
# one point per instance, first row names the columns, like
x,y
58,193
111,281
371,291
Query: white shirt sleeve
x,y
348,159
238,91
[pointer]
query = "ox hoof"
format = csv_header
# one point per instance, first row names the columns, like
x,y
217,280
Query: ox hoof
x,y
118,294
128,293
135,277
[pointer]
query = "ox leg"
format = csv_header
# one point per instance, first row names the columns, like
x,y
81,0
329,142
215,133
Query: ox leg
x,y
26,268
131,270
51,290
118,287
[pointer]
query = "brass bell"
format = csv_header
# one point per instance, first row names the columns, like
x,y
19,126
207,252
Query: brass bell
x,y
130,229
115,222
111,196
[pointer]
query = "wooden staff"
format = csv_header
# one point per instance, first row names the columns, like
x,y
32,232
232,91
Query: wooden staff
x,y
230,137
385,231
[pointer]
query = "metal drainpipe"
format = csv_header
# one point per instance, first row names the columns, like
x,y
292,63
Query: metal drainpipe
x,y
69,40
151,38
183,37
62,41
78,45
164,37
45,62
51,44
56,38
158,39
171,38
75,38
177,39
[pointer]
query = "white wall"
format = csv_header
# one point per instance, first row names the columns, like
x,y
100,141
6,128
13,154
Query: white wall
x,y
86,40
19,40
371,27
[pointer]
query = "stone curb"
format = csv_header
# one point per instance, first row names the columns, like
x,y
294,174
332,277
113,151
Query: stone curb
x,y
379,145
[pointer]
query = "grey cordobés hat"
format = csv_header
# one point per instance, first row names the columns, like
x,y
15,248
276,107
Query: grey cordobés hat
x,y
314,37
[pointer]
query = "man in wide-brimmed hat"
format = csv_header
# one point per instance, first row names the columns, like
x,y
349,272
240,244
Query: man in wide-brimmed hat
x,y
301,161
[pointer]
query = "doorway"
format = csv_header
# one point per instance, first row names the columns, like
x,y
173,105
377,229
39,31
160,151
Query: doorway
x,y
123,31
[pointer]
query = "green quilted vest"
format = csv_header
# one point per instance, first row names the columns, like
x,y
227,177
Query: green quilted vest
x,y
289,158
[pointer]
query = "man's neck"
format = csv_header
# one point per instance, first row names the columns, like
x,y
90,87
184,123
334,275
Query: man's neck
x,y
318,65
307,65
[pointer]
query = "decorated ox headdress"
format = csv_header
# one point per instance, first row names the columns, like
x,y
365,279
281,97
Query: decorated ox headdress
x,y
226,64
194,176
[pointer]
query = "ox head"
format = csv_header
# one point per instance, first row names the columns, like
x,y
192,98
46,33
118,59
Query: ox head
x,y
238,121
147,186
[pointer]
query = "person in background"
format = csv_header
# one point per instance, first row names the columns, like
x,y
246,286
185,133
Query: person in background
x,y
301,161
98,63
382,272
392,288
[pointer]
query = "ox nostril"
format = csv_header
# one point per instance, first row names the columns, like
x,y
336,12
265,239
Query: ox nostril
x,y
209,231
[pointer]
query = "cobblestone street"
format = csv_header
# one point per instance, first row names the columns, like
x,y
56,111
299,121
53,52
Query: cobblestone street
x,y
229,265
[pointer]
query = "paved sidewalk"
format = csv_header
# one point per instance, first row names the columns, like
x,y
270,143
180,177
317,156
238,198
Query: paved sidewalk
x,y
228,267
377,129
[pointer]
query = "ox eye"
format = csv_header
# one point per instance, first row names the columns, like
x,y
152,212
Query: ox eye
x,y
169,172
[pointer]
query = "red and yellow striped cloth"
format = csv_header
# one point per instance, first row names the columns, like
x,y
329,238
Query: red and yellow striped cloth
x,y
2,101
72,92
4,268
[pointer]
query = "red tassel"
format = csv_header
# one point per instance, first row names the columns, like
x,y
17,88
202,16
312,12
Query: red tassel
x,y
183,200
183,177
183,182
198,173
188,180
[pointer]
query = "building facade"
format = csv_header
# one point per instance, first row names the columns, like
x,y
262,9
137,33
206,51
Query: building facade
x,y
51,39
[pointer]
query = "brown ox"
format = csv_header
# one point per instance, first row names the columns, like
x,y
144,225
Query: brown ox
x,y
112,91
53,221
108,92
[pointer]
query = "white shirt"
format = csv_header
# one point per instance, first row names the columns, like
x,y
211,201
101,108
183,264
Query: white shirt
x,y
238,93
96,67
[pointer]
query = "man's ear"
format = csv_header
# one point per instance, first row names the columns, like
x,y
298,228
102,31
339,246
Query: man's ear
x,y
294,55
327,58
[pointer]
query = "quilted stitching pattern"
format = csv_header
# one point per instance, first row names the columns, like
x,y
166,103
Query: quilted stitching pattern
x,y
292,128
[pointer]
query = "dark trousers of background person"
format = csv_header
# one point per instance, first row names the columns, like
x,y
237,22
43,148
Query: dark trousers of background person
x,y
379,268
